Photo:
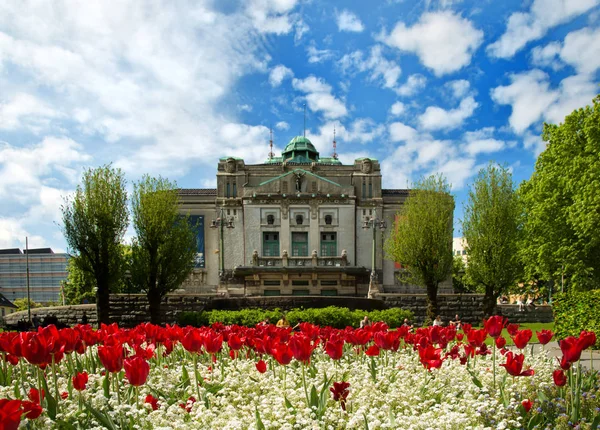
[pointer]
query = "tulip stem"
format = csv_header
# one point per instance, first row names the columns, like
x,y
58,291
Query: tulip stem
x,y
304,384
494,362
195,361
55,381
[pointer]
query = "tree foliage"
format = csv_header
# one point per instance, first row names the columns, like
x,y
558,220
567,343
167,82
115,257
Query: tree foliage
x,y
163,252
94,222
21,304
421,239
491,229
80,286
562,203
460,281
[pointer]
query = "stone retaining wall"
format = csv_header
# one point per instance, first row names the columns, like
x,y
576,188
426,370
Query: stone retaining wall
x,y
66,315
542,313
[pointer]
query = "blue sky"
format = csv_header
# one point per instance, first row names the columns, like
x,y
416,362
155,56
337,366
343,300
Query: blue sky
x,y
167,88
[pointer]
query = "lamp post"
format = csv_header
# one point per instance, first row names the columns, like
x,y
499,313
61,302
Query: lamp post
x,y
221,222
373,223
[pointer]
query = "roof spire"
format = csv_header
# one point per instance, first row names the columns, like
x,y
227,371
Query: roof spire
x,y
271,155
334,155
304,119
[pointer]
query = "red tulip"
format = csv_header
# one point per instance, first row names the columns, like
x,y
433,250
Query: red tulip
x,y
335,348
213,342
34,395
514,365
80,380
527,404
152,401
522,337
372,351
188,405
111,357
430,357
10,414
500,342
192,341
234,342
571,349
301,347
494,325
136,370
477,337
587,339
37,347
512,329
283,354
544,336
340,391
64,395
261,366
559,377
31,410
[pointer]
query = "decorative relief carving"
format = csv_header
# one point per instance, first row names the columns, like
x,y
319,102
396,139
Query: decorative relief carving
x,y
230,165
366,166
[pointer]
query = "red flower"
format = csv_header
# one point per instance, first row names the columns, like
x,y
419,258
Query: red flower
x,y
527,404
430,357
512,329
64,395
111,357
522,337
514,365
188,405
587,339
334,348
340,391
32,410
301,347
372,351
136,370
12,359
559,377
34,395
152,401
476,337
213,342
261,366
234,342
500,342
10,414
494,325
283,354
80,380
544,336
192,341
571,348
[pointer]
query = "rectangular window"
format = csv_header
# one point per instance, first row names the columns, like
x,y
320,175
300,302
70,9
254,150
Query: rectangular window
x,y
314,186
300,283
299,244
370,190
328,244
300,293
271,244
228,194
329,292
329,283
284,187
364,189
234,189
271,283
272,293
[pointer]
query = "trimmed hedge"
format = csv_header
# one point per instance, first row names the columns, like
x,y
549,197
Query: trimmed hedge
x,y
329,316
577,311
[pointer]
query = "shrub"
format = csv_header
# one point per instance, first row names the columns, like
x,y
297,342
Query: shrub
x,y
330,316
576,311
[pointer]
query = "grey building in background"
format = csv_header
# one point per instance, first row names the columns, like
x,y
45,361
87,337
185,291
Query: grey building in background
x,y
46,271
294,225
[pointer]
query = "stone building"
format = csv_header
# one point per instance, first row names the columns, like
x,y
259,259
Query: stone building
x,y
298,224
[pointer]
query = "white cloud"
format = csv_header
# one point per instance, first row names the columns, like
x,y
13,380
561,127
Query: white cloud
x,y
282,125
278,74
380,69
401,132
364,130
534,143
348,21
413,85
318,55
582,50
319,97
301,29
13,233
459,88
436,118
244,108
483,142
443,40
25,110
524,27
397,109
547,56
531,98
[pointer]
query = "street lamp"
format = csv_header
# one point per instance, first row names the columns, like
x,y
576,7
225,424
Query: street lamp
x,y
373,223
221,222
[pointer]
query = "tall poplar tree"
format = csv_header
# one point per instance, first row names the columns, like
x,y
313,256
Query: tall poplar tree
x,y
421,239
163,252
491,229
95,219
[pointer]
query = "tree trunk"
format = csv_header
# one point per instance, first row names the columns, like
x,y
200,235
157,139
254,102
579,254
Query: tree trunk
x,y
154,300
103,302
489,302
432,304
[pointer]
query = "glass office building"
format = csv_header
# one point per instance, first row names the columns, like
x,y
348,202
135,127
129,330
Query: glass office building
x,y
46,271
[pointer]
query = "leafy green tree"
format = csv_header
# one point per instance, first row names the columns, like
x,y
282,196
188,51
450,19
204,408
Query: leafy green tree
x,y
421,239
21,304
164,249
460,281
562,204
491,228
79,286
94,222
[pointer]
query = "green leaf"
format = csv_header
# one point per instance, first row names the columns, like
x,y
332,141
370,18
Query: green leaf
x,y
63,425
314,397
366,421
259,423
106,386
101,417
50,401
289,405
535,420
185,377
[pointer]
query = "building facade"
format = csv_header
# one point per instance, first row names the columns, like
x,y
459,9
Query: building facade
x,y
299,224
47,270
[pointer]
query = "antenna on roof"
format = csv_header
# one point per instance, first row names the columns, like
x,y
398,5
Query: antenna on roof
x,y
304,119
271,155
335,156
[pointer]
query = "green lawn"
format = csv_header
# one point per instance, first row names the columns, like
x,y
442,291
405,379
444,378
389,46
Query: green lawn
x,y
533,326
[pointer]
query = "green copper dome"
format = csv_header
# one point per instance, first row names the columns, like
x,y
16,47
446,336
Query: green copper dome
x,y
300,150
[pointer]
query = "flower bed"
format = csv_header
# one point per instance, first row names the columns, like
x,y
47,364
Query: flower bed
x,y
231,377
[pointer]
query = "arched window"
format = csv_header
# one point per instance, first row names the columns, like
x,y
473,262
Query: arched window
x,y
270,219
328,219
299,219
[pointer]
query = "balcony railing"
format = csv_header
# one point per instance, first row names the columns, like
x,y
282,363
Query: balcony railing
x,y
313,261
